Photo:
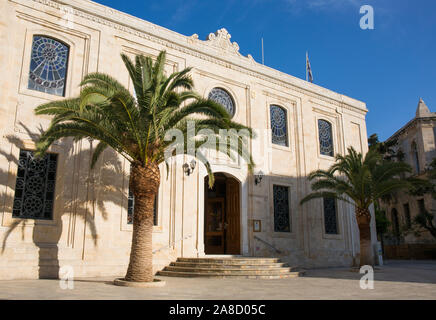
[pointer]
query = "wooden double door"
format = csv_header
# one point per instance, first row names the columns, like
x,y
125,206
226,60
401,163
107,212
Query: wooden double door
x,y
222,217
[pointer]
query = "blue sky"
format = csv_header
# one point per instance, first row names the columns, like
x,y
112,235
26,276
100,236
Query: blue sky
x,y
389,67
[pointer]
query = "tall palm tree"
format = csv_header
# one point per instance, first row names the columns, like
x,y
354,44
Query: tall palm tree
x,y
137,127
360,181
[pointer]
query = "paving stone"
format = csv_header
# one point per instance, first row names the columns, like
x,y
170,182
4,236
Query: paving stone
x,y
395,280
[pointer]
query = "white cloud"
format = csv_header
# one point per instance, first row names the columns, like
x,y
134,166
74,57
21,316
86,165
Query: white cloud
x,y
183,11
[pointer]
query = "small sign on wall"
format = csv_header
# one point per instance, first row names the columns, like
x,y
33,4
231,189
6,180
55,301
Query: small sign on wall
x,y
257,226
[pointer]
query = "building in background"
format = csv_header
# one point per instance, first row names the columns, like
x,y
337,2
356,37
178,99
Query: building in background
x,y
57,212
417,142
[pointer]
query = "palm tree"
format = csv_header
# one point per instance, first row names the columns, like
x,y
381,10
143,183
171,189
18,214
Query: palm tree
x,y
137,127
360,181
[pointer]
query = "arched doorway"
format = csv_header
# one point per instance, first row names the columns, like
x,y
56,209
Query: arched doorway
x,y
222,218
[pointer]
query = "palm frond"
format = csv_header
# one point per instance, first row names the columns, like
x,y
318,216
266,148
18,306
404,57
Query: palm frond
x,y
364,180
136,127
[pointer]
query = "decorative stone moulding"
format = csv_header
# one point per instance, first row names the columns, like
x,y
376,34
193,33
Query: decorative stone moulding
x,y
221,40
218,42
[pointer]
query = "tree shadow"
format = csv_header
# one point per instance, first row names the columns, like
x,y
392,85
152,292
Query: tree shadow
x,y
46,233
107,282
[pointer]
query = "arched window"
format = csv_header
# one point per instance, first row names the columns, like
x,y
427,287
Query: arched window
x,y
279,125
35,186
131,208
330,216
415,156
48,65
224,98
395,223
282,221
407,215
325,138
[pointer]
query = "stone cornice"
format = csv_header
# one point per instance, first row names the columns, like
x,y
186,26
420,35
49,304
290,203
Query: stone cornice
x,y
409,125
216,49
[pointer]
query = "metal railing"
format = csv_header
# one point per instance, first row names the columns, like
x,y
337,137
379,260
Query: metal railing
x,y
268,244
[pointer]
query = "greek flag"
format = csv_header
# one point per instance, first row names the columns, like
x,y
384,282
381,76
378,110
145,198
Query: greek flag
x,y
309,75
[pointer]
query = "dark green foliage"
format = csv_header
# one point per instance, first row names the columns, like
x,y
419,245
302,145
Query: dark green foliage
x,y
425,220
389,149
381,221
359,180
136,126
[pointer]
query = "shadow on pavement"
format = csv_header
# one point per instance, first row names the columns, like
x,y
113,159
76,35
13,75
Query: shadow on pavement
x,y
417,271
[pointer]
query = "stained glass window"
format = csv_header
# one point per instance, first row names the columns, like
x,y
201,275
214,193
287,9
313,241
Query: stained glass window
x,y
279,126
48,66
325,138
35,186
330,216
131,208
222,97
282,222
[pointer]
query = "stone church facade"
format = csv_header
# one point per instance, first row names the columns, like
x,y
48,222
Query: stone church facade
x,y
57,212
417,141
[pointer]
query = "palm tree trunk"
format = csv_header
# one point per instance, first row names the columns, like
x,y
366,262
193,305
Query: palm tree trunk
x,y
363,221
144,183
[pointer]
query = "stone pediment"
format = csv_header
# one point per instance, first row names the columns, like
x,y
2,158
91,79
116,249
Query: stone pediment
x,y
220,41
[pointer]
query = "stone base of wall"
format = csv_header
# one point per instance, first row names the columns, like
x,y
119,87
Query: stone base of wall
x,y
31,261
50,270
319,258
410,251
27,261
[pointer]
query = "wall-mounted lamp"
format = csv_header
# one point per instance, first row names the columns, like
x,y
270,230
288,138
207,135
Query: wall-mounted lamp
x,y
189,168
258,177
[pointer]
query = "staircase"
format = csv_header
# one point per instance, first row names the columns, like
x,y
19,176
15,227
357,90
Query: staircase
x,y
230,267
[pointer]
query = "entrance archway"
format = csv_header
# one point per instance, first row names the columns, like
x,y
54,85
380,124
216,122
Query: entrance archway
x,y
222,218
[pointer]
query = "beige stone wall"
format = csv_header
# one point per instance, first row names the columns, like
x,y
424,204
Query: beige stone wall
x,y
419,131
89,230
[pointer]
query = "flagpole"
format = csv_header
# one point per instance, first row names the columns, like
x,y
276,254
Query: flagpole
x,y
263,55
306,67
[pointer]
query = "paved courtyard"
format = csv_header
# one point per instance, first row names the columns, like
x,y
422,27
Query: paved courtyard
x,y
395,280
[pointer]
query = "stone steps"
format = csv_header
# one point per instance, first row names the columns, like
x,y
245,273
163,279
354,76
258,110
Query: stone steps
x,y
231,267
229,276
219,266
232,260
229,270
